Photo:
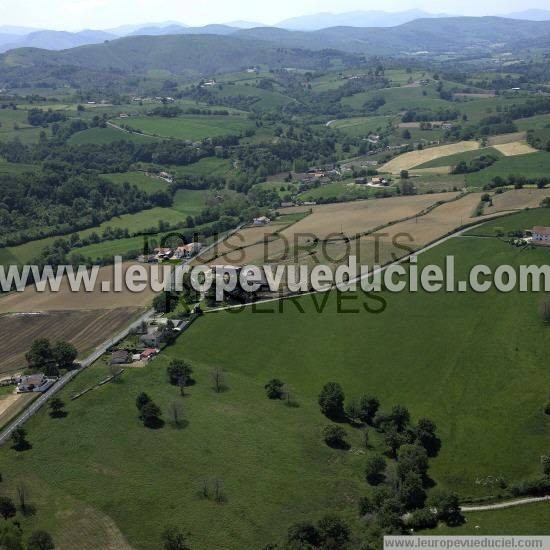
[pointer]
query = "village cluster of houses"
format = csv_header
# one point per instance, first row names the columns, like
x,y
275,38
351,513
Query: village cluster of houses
x,y
161,254
150,340
155,99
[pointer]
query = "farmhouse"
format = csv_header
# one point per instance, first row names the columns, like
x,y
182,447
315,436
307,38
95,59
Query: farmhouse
x,y
187,251
34,383
148,354
262,220
152,338
120,357
163,253
541,235
148,258
166,177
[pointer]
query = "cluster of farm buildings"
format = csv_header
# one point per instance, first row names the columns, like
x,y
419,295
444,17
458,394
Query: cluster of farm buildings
x,y
164,253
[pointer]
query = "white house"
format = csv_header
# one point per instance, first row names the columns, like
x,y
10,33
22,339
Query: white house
x,y
187,251
541,235
262,220
34,383
163,253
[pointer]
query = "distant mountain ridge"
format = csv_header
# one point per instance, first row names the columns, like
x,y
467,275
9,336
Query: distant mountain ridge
x,y
530,15
372,18
179,29
12,37
433,35
56,40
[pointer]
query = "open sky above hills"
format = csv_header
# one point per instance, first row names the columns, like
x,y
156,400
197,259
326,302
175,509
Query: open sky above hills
x,y
76,15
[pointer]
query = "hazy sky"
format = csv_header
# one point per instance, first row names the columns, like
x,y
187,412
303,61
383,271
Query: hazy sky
x,y
79,14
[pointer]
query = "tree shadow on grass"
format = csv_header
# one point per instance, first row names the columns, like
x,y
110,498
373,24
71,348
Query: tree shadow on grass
x,y
180,425
29,510
339,445
21,446
59,414
154,424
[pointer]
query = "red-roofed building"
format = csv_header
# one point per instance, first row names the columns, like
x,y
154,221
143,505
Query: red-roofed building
x,y
148,354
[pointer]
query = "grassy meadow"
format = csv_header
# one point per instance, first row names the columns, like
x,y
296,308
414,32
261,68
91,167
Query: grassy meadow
x,y
473,363
191,127
532,165
453,160
102,136
186,202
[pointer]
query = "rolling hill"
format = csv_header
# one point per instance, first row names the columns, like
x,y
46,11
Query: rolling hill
x,y
55,40
180,54
191,54
431,35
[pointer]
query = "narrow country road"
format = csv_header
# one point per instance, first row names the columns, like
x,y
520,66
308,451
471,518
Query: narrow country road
x,y
505,504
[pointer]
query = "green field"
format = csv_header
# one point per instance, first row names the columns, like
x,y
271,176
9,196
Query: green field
x,y
399,99
435,134
139,179
102,136
474,363
531,520
339,189
518,222
476,109
209,166
186,202
361,126
538,122
532,165
11,168
192,127
262,99
453,160
437,182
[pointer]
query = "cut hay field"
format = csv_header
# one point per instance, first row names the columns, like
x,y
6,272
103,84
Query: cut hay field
x,y
514,148
517,199
506,138
192,127
85,329
333,221
409,160
399,239
32,300
465,360
12,405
